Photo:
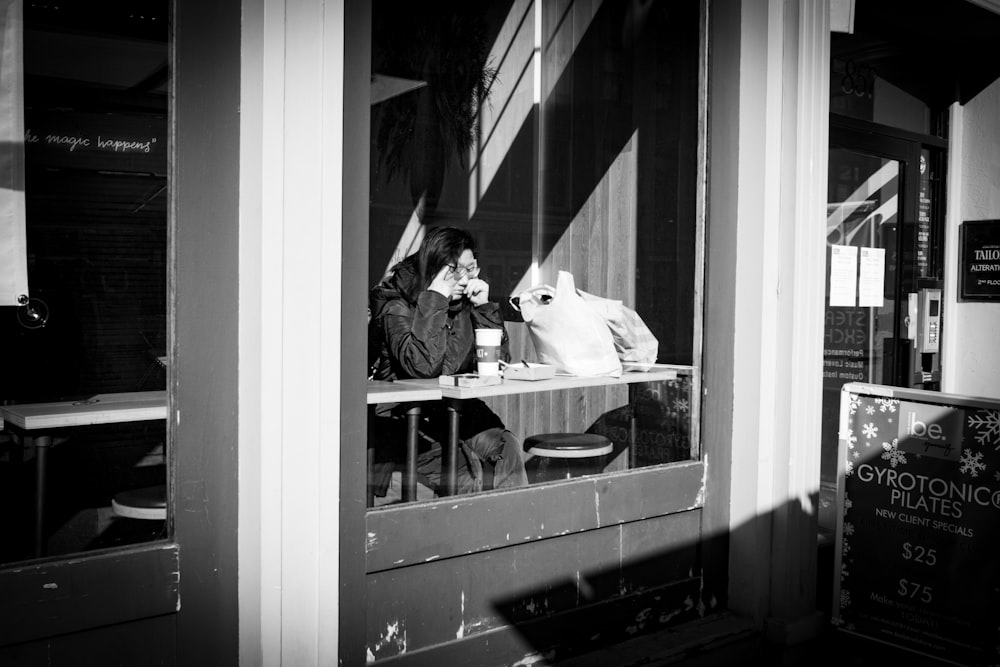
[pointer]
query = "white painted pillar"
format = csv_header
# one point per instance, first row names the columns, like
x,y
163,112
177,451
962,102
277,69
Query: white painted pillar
x,y
783,148
291,201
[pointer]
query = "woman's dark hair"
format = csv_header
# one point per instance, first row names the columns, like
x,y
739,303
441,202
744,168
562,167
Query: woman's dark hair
x,y
442,245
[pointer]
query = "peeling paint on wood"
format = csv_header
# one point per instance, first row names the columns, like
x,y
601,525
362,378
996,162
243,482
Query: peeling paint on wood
x,y
575,580
700,500
534,659
394,636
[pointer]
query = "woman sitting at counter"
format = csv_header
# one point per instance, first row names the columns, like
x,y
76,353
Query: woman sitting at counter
x,y
423,320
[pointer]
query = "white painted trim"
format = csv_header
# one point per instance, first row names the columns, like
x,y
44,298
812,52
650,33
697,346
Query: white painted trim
x,y
783,150
290,303
755,304
950,358
253,586
799,376
330,334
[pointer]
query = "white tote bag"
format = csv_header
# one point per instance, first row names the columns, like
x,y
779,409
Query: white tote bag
x,y
566,332
635,343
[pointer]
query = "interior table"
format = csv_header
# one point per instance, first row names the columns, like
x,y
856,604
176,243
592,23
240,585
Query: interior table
x,y
454,396
37,423
381,391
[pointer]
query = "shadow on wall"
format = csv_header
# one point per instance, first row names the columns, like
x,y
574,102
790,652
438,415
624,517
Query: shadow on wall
x,y
912,564
647,591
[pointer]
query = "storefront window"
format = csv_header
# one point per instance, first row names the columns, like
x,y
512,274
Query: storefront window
x,y
91,339
564,137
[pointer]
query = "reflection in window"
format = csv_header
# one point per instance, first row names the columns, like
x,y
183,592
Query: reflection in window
x,y
95,179
564,137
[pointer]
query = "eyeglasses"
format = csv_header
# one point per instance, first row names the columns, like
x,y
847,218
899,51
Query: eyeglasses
x,y
472,271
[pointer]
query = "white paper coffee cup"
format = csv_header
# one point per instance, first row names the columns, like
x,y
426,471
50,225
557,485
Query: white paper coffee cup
x,y
488,351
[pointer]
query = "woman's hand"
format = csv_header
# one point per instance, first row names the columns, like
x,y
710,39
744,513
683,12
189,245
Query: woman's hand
x,y
477,291
445,283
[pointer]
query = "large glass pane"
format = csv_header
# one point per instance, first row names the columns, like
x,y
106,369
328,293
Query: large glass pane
x,y
92,338
862,265
564,137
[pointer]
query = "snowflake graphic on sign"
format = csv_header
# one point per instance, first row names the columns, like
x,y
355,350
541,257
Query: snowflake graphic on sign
x,y
972,463
893,454
845,598
887,404
987,425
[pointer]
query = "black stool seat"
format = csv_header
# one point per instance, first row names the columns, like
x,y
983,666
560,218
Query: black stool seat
x,y
568,445
146,503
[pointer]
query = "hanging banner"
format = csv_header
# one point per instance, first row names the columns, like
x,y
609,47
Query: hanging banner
x,y
13,243
918,522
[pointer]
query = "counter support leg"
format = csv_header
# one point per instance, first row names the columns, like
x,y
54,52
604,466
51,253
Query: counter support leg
x,y
633,428
412,436
450,463
42,444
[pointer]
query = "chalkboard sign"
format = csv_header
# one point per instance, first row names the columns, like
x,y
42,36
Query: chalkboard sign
x,y
918,526
979,260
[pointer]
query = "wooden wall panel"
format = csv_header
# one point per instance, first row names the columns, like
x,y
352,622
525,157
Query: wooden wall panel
x,y
541,579
511,98
151,641
620,233
404,535
42,600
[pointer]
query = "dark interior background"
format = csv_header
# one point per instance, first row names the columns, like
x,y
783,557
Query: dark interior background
x,y
96,215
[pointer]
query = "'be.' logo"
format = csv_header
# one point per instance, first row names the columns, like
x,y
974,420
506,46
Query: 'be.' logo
x,y
931,430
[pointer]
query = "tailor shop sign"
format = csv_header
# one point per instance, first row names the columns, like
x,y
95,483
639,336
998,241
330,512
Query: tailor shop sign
x,y
919,527
979,260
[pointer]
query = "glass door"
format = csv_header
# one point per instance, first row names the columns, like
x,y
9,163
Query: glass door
x,y
871,265
863,213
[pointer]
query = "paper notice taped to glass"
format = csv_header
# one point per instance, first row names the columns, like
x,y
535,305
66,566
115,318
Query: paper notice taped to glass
x,y
843,275
871,283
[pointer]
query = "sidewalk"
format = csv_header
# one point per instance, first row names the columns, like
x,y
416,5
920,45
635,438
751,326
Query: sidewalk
x,y
728,640
724,639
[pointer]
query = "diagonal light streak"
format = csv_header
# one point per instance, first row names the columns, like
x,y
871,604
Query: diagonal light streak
x,y
861,198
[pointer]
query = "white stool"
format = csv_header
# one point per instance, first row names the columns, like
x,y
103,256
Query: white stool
x,y
568,449
148,503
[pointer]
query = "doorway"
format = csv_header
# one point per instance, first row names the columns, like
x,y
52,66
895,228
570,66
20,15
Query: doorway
x,y
884,231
